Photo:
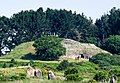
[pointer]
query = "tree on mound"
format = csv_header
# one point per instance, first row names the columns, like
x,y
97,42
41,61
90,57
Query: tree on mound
x,y
49,48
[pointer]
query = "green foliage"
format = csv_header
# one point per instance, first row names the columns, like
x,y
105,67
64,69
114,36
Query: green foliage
x,y
104,59
101,76
108,25
72,74
29,25
21,76
11,65
115,71
31,63
87,67
92,40
4,65
21,51
71,71
4,78
92,81
14,77
49,48
74,77
7,64
113,44
13,60
63,65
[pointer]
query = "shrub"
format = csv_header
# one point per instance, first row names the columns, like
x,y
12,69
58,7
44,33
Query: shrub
x,y
63,65
101,75
4,65
92,81
72,74
11,65
14,77
71,71
13,60
74,77
22,76
115,72
103,59
100,56
73,64
4,78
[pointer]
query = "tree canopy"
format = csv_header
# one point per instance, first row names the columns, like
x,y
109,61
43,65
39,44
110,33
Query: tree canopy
x,y
112,44
108,24
49,48
30,25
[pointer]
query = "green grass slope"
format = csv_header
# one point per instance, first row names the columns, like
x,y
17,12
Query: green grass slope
x,y
20,51
72,48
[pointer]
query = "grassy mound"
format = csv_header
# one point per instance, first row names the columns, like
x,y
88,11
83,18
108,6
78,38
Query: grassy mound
x,y
72,48
21,50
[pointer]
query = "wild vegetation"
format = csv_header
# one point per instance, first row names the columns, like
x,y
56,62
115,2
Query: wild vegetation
x,y
49,48
27,50
48,30
29,25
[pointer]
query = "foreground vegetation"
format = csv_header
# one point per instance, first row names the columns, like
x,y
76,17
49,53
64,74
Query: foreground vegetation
x,y
94,71
34,80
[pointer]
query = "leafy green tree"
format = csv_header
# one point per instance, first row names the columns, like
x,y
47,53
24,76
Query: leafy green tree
x,y
104,59
112,44
108,25
49,48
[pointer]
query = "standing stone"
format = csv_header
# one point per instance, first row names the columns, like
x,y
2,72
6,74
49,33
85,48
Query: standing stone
x,y
113,79
38,73
51,75
30,72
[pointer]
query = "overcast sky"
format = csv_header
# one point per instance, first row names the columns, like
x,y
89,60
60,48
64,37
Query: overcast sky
x,y
91,8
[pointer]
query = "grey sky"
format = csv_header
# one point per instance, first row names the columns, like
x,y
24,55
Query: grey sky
x,y
91,8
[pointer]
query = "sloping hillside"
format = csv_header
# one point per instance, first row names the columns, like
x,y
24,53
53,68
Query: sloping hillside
x,y
72,48
21,50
